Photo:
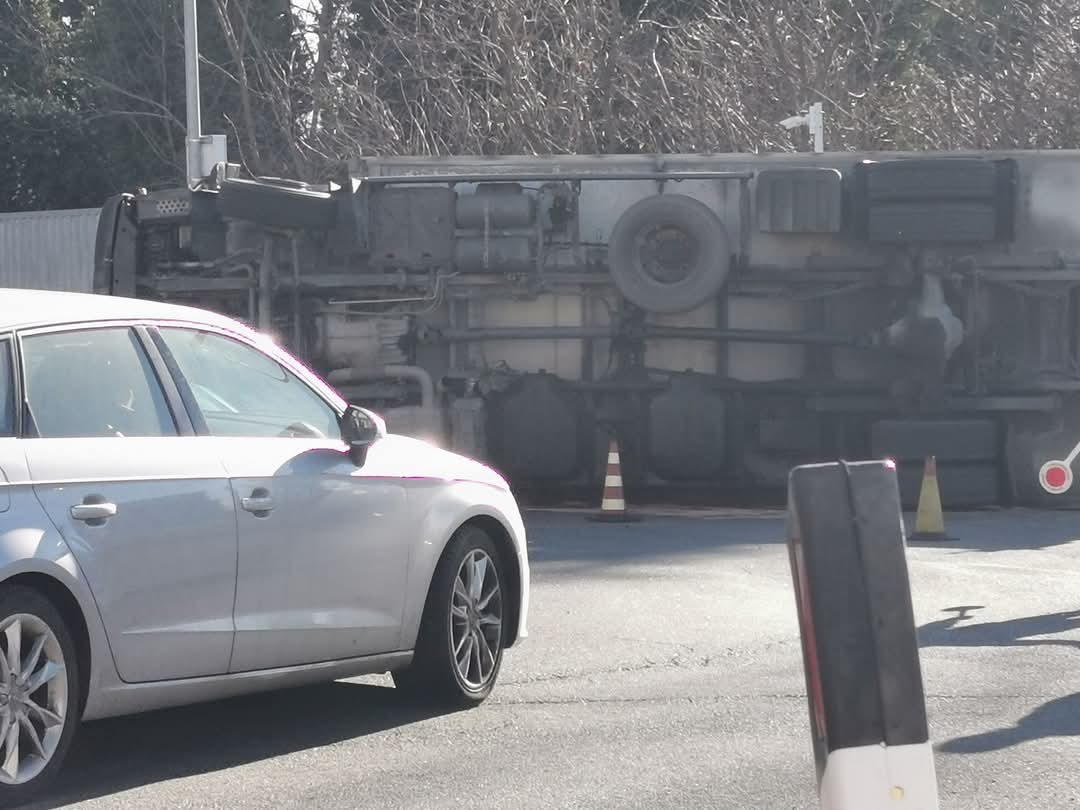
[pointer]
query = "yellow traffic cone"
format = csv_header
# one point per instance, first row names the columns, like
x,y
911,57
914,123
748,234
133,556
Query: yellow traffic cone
x,y
929,517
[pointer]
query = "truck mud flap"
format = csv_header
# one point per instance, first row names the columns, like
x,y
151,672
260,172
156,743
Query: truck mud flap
x,y
669,253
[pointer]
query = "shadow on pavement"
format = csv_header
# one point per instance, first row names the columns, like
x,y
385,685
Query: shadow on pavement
x,y
110,756
570,537
1010,633
563,537
1056,718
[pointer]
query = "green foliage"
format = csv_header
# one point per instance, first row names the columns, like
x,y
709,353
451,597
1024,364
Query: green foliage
x,y
48,157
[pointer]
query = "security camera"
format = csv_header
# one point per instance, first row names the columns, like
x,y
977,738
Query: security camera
x,y
793,121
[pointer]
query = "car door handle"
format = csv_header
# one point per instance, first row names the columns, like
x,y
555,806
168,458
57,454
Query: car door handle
x,y
93,511
257,504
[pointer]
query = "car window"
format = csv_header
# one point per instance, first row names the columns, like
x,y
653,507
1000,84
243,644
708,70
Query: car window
x,y
7,390
93,382
243,392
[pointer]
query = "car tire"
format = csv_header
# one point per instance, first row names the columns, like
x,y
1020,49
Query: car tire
x,y
451,618
30,617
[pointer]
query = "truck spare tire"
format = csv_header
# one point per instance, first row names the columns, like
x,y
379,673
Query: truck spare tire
x,y
669,253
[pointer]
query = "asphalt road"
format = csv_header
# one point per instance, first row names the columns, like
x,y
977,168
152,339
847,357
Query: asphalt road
x,y
663,671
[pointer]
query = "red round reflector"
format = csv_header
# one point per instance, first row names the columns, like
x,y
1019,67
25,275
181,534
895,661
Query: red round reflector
x,y
1056,477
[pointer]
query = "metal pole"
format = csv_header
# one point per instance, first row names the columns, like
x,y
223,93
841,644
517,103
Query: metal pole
x,y
473,335
191,84
816,120
266,273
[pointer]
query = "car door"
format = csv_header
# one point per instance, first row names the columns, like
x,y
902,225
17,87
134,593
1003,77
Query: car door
x,y
323,545
144,505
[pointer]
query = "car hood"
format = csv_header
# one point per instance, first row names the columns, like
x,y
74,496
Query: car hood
x,y
406,457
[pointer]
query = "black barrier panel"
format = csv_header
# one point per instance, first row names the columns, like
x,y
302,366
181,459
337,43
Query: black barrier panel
x,y
860,652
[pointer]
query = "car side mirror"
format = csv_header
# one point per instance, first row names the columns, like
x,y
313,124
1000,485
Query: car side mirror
x,y
360,429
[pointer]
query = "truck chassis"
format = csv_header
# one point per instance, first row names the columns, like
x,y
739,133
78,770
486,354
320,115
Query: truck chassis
x,y
723,317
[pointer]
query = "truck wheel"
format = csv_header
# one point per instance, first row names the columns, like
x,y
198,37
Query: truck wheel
x,y
669,253
39,694
459,648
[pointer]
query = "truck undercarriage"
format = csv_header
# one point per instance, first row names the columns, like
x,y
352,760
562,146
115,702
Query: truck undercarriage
x,y
724,317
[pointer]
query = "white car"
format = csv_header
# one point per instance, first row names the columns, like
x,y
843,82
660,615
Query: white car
x,y
188,513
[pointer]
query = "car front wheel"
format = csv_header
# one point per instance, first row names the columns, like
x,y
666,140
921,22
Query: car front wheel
x,y
459,648
39,694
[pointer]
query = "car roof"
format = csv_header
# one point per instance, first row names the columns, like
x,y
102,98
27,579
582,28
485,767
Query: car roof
x,y
26,308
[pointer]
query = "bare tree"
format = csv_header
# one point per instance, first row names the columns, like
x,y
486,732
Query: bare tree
x,y
343,78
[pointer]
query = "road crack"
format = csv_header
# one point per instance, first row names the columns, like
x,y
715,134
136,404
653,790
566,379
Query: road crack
x,y
707,699
677,661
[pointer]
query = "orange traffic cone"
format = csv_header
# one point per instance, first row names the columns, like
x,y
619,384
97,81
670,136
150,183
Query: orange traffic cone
x,y
612,504
929,517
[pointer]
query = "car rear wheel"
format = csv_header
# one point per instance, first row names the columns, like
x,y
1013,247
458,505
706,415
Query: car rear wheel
x,y
39,694
459,648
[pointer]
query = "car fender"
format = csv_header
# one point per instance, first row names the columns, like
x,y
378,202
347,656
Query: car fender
x,y
445,508
31,544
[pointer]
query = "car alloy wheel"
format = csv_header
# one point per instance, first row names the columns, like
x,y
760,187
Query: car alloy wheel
x,y
39,693
476,614
33,697
459,646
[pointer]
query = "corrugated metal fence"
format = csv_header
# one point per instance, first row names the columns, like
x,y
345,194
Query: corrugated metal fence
x,y
49,250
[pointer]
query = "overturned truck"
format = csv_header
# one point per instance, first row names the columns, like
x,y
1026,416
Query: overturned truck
x,y
724,317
